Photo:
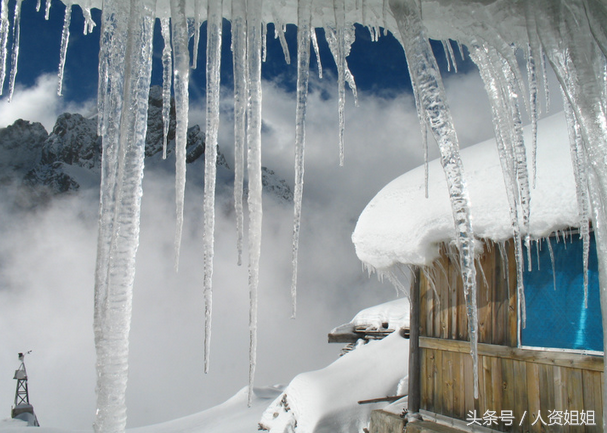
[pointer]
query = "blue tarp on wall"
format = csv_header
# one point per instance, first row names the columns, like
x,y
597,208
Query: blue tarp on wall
x,y
558,318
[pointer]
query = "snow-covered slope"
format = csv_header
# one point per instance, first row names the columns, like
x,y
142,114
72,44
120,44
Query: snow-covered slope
x,y
232,416
400,225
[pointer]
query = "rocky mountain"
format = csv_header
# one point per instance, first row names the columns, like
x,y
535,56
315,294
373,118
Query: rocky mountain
x,y
43,165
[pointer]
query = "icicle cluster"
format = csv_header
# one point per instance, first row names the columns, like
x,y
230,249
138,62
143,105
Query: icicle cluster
x,y
569,35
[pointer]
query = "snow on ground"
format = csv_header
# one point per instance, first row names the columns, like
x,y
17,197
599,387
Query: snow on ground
x,y
326,400
232,416
400,225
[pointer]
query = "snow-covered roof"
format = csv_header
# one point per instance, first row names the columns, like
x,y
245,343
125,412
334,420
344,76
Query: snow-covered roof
x,y
400,225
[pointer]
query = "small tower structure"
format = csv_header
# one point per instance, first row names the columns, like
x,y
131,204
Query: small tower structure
x,y
22,408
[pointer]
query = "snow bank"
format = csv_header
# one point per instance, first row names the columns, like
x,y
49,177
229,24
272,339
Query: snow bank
x,y
400,225
326,401
232,416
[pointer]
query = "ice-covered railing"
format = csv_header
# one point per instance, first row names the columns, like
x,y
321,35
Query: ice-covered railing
x,y
570,35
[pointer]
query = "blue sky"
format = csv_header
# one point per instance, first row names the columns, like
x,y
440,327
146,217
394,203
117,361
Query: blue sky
x,y
382,141
40,42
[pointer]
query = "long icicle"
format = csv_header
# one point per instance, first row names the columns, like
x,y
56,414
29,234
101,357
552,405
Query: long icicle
x,y
4,28
214,27
167,78
304,16
239,55
15,52
131,27
422,66
339,8
181,73
254,199
65,38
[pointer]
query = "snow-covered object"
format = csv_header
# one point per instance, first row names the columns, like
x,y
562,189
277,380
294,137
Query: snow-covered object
x,y
327,400
389,315
395,313
400,225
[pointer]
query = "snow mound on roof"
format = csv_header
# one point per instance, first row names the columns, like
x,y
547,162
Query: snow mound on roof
x,y
400,225
327,400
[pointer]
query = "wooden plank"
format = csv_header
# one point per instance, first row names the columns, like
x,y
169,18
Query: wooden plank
x,y
425,383
593,398
533,395
521,411
575,393
414,359
560,389
438,382
423,305
547,396
459,401
508,396
447,383
563,359
462,315
484,312
470,402
431,378
496,383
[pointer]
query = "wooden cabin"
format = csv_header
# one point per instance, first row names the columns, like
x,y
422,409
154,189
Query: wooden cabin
x,y
519,378
542,375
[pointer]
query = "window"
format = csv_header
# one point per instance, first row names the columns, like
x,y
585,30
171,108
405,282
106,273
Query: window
x,y
558,318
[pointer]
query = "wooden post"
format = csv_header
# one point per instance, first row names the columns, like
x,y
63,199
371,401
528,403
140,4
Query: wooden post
x,y
414,355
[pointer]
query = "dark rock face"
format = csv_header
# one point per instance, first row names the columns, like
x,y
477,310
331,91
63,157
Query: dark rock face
x,y
44,165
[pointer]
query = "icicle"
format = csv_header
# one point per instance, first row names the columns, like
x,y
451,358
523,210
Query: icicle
x,y
126,92
279,32
304,16
167,78
47,10
537,252
339,54
316,51
446,51
451,55
89,23
511,150
38,4
214,28
15,53
4,28
460,48
581,185
551,252
532,80
239,55
65,37
426,162
254,47
197,24
264,41
181,73
545,81
427,83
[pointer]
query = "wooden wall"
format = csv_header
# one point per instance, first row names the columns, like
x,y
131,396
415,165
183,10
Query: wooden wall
x,y
526,382
443,309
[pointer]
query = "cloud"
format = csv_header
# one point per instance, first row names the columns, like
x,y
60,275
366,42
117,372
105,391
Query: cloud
x,y
39,103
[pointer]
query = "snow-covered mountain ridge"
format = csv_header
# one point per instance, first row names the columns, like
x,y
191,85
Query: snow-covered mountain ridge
x,y
68,158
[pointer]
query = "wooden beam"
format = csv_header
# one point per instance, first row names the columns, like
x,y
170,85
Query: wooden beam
x,y
563,359
414,358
